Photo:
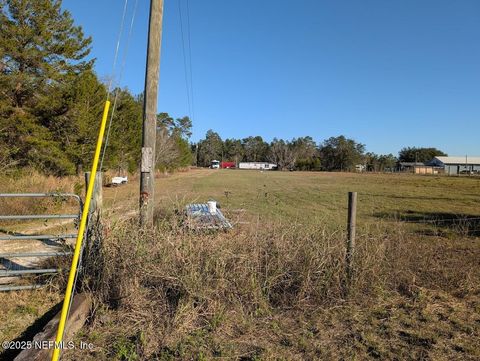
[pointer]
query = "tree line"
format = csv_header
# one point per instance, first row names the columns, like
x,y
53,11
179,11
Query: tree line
x,y
304,153
51,100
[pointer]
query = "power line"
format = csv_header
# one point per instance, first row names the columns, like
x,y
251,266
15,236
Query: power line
x,y
187,85
110,121
190,58
119,37
122,69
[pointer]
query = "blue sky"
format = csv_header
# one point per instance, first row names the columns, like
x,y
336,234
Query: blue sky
x,y
387,73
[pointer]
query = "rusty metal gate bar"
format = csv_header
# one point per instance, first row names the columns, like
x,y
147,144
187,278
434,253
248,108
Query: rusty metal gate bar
x,y
13,272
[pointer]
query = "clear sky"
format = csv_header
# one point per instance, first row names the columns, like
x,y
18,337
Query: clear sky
x,y
388,73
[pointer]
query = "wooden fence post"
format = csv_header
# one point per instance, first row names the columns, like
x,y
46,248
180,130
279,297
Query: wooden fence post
x,y
97,198
351,228
92,260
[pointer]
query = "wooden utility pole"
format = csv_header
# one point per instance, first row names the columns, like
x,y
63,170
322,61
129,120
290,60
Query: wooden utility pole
x,y
147,177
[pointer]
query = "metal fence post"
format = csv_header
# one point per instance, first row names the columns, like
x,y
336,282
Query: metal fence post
x,y
351,228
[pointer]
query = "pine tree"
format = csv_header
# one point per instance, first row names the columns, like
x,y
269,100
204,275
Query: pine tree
x,y
42,53
77,128
123,152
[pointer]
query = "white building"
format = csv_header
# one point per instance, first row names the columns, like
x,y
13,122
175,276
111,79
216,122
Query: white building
x,y
257,165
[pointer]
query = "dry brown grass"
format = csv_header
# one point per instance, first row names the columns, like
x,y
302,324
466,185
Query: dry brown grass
x,y
30,181
274,288
22,308
277,291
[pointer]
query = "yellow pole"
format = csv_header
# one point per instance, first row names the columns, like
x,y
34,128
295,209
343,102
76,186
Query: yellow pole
x,y
78,243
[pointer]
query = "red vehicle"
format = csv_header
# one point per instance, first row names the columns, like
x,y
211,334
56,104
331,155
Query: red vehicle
x,y
227,165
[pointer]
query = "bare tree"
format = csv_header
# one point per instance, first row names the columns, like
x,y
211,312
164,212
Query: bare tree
x,y
165,149
282,154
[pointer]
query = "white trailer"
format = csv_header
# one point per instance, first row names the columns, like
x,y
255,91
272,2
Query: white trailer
x,y
257,165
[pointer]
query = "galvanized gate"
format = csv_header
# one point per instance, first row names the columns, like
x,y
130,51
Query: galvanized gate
x,y
12,271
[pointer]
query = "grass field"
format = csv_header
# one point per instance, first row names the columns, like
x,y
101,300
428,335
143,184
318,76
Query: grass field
x,y
308,197
274,286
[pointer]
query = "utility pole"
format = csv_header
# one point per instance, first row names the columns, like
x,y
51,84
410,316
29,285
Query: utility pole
x,y
147,176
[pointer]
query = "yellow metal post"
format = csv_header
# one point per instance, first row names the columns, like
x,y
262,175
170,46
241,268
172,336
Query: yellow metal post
x,y
78,243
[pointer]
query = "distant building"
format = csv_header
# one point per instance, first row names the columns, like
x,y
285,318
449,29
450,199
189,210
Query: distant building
x,y
257,165
426,169
418,168
457,165
409,166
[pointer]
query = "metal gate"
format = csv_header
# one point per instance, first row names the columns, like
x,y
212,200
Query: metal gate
x,y
10,267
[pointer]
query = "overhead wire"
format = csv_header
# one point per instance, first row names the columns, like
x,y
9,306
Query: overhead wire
x,y
184,54
122,69
109,90
67,301
119,38
190,58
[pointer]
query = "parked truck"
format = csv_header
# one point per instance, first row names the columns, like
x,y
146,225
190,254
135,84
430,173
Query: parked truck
x,y
227,165
215,164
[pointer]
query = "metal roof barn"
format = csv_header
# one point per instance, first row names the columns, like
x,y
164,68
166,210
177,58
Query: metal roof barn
x,y
458,160
457,165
